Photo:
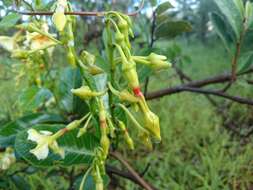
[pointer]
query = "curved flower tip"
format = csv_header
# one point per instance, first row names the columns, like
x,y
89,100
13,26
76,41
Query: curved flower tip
x,y
44,140
7,158
152,124
158,61
85,92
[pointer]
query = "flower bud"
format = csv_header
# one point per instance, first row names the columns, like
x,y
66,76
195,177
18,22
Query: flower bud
x,y
158,62
127,138
85,92
119,38
126,96
130,73
152,124
151,120
74,124
59,18
87,58
71,58
105,144
123,95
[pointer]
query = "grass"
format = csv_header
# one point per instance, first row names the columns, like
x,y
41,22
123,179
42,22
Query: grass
x,y
196,151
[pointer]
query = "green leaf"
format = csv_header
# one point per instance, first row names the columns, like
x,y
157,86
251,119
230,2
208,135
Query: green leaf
x,y
163,7
77,150
33,97
171,29
245,61
9,130
240,6
71,78
221,29
103,64
9,21
249,14
20,182
230,10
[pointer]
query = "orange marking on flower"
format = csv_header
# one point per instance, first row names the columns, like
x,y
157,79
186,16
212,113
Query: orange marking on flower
x,y
137,92
102,123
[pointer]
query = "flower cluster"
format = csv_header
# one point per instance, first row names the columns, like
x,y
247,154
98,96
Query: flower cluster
x,y
123,92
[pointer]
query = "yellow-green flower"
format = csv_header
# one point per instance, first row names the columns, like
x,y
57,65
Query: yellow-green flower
x,y
44,140
37,41
158,61
7,158
85,92
8,43
59,18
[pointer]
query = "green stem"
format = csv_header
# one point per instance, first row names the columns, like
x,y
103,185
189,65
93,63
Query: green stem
x,y
136,123
84,178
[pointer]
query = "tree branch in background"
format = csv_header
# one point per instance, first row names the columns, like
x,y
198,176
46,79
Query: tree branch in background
x,y
79,13
137,178
194,86
184,77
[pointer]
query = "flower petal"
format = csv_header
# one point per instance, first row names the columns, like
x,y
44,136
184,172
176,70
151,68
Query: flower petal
x,y
7,43
47,133
33,135
40,151
56,149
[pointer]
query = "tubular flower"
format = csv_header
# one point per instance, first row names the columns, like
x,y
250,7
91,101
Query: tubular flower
x,y
88,63
124,95
87,58
104,140
7,158
59,18
127,137
129,70
85,92
10,43
38,41
151,120
44,140
158,61
155,61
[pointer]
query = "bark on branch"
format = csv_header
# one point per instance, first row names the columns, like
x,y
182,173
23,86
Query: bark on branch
x,y
194,86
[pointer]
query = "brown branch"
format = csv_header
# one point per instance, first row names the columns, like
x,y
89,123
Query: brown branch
x,y
80,13
194,85
137,178
184,77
